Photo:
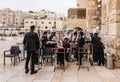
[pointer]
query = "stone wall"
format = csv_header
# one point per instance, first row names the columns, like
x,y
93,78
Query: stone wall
x,y
81,3
72,23
76,16
110,28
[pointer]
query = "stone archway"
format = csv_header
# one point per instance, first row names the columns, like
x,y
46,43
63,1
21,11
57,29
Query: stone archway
x,y
78,28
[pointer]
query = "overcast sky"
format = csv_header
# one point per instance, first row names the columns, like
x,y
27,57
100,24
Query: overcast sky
x,y
60,6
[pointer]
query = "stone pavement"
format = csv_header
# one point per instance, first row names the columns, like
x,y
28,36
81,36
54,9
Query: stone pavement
x,y
11,73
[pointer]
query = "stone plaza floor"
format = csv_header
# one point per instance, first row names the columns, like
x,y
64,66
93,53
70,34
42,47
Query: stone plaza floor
x,y
11,73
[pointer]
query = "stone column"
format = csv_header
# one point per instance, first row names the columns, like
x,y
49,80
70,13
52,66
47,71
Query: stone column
x,y
92,14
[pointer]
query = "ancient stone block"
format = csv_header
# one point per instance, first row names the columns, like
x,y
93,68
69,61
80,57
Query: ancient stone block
x,y
112,28
118,29
76,23
117,59
113,43
118,4
112,5
91,12
118,44
118,16
117,64
112,16
104,29
89,17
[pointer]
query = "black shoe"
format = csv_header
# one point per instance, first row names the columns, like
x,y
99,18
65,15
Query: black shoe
x,y
103,63
61,63
57,62
78,63
81,63
26,71
33,72
99,64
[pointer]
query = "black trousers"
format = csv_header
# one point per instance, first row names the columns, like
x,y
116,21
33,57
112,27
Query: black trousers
x,y
30,55
101,57
81,55
60,57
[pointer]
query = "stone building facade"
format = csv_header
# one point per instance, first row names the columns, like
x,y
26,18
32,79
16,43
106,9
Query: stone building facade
x,y
45,20
77,16
45,24
92,15
10,18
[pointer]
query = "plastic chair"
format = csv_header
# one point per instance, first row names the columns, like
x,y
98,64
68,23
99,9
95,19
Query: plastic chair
x,y
46,53
55,52
12,53
86,54
73,47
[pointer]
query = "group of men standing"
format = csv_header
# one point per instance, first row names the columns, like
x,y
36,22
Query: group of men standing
x,y
31,42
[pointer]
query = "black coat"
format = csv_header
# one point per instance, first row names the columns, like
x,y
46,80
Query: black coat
x,y
31,41
81,42
44,40
101,57
96,48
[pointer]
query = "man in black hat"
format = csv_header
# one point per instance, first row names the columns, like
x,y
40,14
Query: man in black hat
x,y
66,45
80,43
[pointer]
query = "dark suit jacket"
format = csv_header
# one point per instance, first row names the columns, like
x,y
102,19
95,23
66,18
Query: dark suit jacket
x,y
31,41
81,42
96,48
44,40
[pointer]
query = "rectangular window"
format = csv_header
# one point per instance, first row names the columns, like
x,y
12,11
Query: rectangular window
x,y
81,13
31,21
3,18
42,22
4,22
35,17
26,22
77,13
4,15
49,22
